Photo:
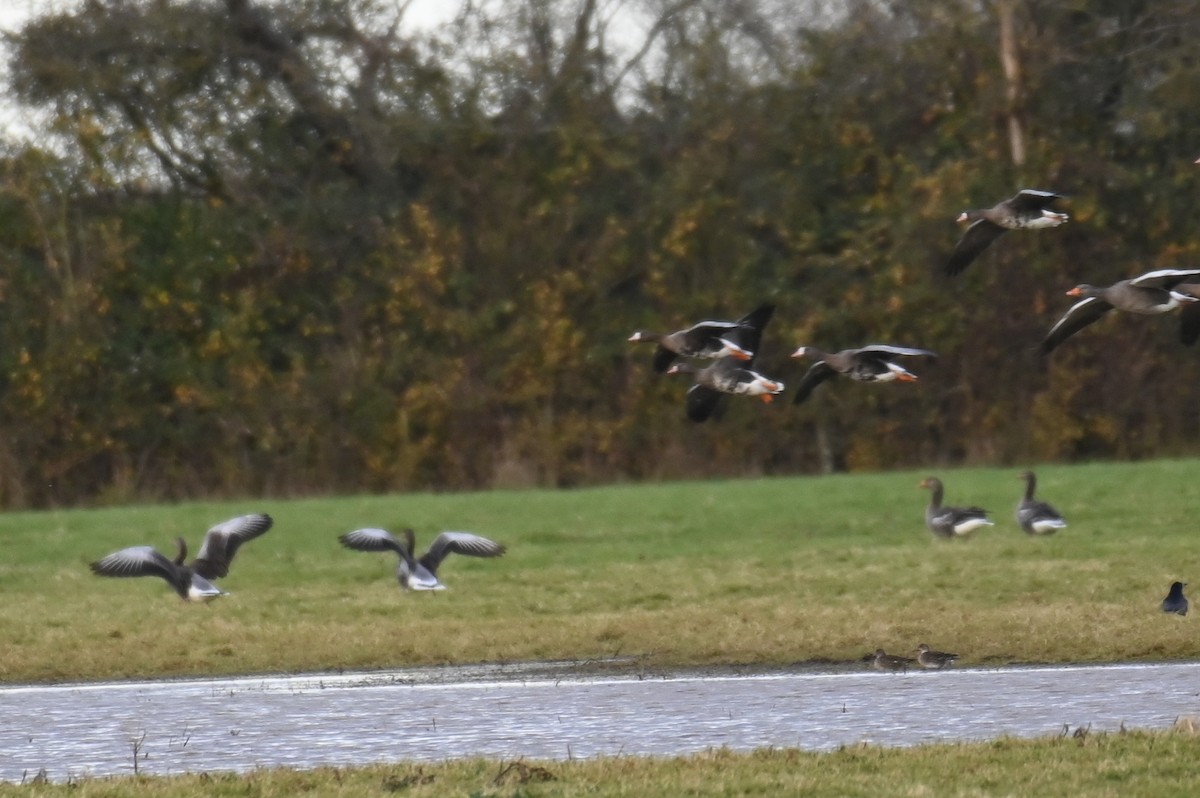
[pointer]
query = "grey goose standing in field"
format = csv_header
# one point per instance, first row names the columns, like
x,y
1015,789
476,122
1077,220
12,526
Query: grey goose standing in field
x,y
191,580
1037,517
726,376
883,661
950,522
1028,210
1175,601
871,363
708,339
420,573
1148,294
934,660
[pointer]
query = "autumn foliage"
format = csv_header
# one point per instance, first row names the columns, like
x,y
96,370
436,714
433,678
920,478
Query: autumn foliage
x,y
277,248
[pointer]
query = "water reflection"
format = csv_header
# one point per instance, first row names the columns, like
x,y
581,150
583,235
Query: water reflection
x,y
436,714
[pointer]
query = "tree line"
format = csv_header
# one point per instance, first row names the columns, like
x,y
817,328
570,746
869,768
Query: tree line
x,y
290,247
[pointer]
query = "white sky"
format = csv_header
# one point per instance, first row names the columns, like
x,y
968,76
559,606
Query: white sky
x,y
421,14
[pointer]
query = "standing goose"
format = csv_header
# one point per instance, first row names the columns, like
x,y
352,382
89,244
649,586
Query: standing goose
x,y
1175,601
706,339
1037,517
191,580
1149,294
934,660
1028,210
950,522
869,364
421,573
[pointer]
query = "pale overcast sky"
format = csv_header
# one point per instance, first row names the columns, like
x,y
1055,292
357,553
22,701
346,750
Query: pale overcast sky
x,y
14,13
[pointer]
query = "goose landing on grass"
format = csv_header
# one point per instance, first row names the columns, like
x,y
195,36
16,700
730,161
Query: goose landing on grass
x,y
421,573
148,561
190,580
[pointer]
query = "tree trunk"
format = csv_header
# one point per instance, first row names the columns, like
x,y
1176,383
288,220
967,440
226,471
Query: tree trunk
x,y
1010,60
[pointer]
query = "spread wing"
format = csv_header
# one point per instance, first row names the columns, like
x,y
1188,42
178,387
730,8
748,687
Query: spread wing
x,y
749,329
978,237
1031,199
888,352
663,358
466,543
1080,315
135,561
1163,278
223,540
1189,320
371,539
701,402
817,374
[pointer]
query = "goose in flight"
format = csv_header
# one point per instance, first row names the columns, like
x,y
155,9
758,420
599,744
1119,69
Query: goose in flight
x,y
1147,294
873,363
1027,210
193,580
420,573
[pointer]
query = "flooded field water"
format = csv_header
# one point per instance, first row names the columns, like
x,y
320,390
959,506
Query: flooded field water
x,y
545,713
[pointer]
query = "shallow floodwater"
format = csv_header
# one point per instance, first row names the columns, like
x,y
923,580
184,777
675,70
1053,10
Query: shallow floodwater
x,y
506,712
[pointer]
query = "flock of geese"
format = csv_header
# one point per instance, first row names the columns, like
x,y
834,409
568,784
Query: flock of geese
x,y
731,346
193,581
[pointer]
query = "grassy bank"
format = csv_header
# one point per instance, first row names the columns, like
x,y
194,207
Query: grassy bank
x,y
767,571
1133,764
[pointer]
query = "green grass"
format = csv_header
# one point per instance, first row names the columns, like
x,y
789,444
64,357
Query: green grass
x,y
1133,764
758,571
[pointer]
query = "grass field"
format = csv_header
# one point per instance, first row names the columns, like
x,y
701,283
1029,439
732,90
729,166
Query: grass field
x,y
756,571
1126,765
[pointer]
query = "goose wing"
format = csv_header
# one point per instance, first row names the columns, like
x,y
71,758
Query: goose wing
x,y
887,352
222,541
747,333
701,402
663,358
816,374
135,561
1080,315
1163,278
466,543
1189,321
372,539
1032,199
978,237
